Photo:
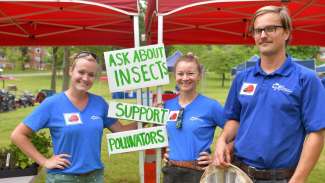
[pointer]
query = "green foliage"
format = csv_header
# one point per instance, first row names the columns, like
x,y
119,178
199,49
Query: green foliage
x,y
218,59
303,52
23,56
41,141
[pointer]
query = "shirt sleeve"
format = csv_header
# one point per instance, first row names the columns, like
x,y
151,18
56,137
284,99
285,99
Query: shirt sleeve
x,y
108,122
218,114
233,106
39,118
313,104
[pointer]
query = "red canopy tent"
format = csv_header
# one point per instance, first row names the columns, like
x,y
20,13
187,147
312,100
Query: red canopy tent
x,y
227,21
67,22
70,22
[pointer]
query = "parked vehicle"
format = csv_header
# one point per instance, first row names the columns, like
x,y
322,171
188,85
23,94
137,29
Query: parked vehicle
x,y
7,101
42,94
26,99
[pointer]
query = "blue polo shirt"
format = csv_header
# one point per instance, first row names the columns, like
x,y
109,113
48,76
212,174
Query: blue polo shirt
x,y
323,82
74,132
200,119
275,112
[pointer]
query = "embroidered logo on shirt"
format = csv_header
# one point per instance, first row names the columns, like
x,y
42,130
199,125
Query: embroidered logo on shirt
x,y
173,115
278,87
248,89
195,118
72,118
93,117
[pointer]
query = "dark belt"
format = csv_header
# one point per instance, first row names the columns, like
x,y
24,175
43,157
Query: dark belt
x,y
185,164
264,174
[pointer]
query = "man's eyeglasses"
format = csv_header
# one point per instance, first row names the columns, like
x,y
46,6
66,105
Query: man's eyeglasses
x,y
268,30
83,54
180,118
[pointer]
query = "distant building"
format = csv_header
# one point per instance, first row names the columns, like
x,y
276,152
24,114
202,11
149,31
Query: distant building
x,y
321,55
4,63
36,58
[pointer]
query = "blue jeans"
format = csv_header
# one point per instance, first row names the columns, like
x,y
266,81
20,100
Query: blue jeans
x,y
96,176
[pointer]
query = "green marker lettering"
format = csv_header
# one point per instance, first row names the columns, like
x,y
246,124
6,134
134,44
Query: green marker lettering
x,y
125,77
137,76
119,108
161,138
144,73
136,57
119,57
125,58
111,143
151,69
153,137
111,61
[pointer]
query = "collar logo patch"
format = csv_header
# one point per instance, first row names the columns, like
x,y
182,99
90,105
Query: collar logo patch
x,y
248,89
173,115
278,87
72,118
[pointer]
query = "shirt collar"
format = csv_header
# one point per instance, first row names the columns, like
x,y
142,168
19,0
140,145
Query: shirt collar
x,y
284,70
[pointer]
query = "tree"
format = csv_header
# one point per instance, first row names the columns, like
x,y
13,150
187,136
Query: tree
x,y
66,64
217,58
304,52
24,56
12,54
54,60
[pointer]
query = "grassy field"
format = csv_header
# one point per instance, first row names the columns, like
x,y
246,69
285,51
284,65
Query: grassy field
x,y
122,168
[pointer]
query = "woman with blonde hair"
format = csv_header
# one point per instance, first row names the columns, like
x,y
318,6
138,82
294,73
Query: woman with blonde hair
x,y
190,130
76,119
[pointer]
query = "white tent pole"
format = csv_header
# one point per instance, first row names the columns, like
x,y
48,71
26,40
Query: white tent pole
x,y
137,44
159,98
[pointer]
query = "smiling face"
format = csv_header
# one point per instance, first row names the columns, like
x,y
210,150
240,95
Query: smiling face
x,y
273,42
83,74
187,76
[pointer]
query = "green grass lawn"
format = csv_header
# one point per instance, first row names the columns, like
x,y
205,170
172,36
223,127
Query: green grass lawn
x,y
121,168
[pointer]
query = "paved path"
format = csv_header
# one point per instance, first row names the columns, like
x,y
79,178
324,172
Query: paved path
x,y
29,74
24,179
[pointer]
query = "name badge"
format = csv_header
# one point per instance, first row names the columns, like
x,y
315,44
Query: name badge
x,y
72,118
248,89
173,115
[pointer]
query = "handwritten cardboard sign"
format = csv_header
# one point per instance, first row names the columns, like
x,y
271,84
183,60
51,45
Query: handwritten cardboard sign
x,y
135,68
137,140
138,113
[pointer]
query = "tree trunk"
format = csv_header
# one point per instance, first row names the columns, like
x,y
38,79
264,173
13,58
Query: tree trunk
x,y
53,76
66,65
24,57
223,80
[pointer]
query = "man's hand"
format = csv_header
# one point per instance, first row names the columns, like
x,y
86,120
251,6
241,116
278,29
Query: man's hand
x,y
222,154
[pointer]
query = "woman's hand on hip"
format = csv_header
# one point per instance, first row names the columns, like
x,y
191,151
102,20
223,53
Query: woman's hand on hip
x,y
57,162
